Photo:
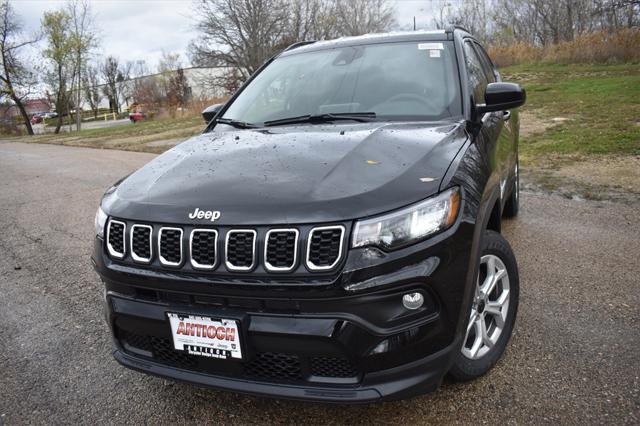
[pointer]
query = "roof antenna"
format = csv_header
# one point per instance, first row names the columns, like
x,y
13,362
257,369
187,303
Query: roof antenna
x,y
414,23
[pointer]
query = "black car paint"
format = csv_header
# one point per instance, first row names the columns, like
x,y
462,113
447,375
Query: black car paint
x,y
321,173
346,174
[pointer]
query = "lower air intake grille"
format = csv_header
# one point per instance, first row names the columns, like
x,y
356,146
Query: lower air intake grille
x,y
170,246
270,365
332,367
240,250
280,250
164,352
325,247
115,238
203,248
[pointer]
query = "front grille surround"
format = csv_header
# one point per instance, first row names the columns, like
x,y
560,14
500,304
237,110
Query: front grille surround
x,y
316,268
132,245
112,251
230,266
281,252
268,266
195,263
162,259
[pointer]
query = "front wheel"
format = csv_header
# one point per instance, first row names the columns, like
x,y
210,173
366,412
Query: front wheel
x,y
493,310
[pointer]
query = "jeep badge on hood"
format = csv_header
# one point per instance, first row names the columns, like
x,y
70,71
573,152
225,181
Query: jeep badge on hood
x,y
213,215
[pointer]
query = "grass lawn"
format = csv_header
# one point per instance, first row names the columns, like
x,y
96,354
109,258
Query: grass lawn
x,y
601,103
581,127
128,136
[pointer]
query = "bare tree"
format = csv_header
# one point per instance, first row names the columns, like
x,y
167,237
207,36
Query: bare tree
x,y
114,77
238,33
356,17
540,22
311,20
242,34
83,39
92,93
16,79
178,91
59,52
167,66
123,80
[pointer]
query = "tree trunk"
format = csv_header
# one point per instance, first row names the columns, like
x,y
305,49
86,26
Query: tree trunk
x,y
18,101
24,114
78,95
58,124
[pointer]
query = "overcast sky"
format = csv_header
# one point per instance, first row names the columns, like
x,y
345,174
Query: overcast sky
x,y
142,29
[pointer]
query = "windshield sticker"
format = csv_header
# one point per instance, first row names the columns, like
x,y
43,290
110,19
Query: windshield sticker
x,y
431,46
434,53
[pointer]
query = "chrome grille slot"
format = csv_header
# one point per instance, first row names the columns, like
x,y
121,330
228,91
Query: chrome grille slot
x,y
170,246
324,247
203,244
116,238
240,250
281,249
141,245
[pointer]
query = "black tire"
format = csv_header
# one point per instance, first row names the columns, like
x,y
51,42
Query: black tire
x,y
512,205
465,368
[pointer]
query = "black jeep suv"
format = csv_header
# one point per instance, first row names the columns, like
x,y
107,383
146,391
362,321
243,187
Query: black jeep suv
x,y
333,234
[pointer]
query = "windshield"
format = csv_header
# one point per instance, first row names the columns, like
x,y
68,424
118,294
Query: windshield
x,y
395,81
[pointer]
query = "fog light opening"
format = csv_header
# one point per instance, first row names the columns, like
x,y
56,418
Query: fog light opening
x,y
413,301
381,347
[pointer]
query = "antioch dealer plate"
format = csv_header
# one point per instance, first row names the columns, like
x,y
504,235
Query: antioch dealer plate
x,y
204,336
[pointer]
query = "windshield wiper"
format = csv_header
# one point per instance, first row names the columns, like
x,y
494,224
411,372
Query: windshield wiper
x,y
323,118
236,123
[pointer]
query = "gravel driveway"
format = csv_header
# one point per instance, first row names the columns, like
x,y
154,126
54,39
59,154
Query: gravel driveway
x,y
574,357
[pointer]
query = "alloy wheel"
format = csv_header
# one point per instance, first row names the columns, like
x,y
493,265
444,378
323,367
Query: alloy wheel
x,y
489,308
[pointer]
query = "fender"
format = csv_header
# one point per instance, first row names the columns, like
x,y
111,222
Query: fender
x,y
482,189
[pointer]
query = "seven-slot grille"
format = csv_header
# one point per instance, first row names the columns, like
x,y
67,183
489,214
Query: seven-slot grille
x,y
280,249
200,247
324,247
240,250
170,246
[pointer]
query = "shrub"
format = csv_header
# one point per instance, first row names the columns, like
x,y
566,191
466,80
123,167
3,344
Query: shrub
x,y
597,47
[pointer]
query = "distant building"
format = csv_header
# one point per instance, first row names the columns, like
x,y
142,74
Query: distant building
x,y
31,106
201,84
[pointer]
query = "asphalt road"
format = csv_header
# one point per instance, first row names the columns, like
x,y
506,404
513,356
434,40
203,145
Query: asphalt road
x,y
574,358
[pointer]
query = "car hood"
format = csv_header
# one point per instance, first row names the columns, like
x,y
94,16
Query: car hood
x,y
291,174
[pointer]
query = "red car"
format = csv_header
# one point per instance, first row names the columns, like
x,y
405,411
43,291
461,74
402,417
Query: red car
x,y
136,116
35,119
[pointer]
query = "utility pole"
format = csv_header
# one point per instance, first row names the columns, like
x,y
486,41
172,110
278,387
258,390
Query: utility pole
x,y
414,23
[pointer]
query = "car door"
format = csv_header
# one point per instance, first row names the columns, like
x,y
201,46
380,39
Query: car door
x,y
508,139
488,138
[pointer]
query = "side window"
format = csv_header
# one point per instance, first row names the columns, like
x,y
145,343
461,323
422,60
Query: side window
x,y
489,69
477,77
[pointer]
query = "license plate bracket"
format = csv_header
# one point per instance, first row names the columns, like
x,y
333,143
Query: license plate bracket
x,y
206,336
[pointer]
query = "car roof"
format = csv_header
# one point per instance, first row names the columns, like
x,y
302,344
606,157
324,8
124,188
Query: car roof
x,y
389,37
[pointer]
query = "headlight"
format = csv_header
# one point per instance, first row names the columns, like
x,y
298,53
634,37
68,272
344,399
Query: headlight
x,y
410,224
100,221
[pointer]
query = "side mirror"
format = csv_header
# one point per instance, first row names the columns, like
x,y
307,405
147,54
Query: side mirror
x,y
501,97
210,112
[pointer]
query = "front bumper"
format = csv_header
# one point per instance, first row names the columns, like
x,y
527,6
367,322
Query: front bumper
x,y
350,340
406,381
